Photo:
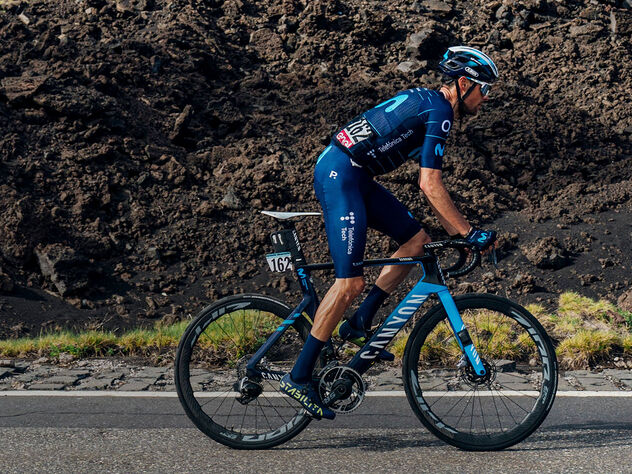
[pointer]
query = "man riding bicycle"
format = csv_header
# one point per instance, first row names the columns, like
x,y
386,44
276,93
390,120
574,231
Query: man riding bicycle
x,y
412,125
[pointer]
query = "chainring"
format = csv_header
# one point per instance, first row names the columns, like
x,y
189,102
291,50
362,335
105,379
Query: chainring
x,y
339,377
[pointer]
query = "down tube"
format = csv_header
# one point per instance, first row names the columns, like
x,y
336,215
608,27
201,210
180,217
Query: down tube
x,y
365,357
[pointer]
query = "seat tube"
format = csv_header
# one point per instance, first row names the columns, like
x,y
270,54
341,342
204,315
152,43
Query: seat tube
x,y
460,331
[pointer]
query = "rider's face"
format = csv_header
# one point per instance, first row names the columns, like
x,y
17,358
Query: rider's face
x,y
475,100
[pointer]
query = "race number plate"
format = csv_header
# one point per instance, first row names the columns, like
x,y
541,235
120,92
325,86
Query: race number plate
x,y
280,262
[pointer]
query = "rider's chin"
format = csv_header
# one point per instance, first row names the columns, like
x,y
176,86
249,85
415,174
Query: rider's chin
x,y
471,111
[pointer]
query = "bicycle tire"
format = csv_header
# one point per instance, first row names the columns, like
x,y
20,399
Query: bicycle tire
x,y
524,382
202,356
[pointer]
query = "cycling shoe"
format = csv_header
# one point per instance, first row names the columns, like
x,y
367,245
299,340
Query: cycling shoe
x,y
359,337
306,396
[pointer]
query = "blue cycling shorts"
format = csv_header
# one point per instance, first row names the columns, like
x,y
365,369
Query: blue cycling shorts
x,y
351,202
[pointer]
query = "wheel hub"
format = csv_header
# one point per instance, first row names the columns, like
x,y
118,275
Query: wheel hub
x,y
470,377
248,388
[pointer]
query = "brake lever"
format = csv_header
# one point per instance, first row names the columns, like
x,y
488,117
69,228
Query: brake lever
x,y
492,257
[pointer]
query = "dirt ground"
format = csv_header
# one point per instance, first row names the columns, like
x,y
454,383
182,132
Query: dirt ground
x,y
141,138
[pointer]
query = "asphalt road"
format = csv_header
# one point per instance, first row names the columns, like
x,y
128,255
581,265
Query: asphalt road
x,y
86,434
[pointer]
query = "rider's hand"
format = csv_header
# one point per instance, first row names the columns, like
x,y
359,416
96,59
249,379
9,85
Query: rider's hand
x,y
481,239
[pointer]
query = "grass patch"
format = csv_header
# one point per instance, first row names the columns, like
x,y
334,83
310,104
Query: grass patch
x,y
586,332
588,347
399,344
139,342
228,338
589,331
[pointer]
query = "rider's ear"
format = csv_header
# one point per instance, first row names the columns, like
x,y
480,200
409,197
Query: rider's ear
x,y
464,83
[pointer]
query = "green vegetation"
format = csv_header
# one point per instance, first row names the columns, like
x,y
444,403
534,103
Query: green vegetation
x,y
228,338
586,332
139,342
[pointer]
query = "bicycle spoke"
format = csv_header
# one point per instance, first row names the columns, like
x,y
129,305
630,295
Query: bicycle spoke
x,y
472,414
507,408
220,405
243,418
497,408
227,335
277,411
455,404
480,404
229,412
462,412
221,343
264,415
500,425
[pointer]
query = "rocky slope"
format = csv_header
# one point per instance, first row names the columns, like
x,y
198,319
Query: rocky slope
x,y
141,137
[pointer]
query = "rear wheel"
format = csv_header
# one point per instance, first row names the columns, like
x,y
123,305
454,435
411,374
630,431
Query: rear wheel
x,y
210,372
471,412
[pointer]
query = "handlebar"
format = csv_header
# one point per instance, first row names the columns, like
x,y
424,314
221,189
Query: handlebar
x,y
465,250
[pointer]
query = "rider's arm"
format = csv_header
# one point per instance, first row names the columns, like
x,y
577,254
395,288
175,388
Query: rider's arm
x,y
438,122
431,184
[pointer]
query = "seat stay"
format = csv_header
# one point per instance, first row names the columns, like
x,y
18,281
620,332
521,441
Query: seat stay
x,y
305,304
307,308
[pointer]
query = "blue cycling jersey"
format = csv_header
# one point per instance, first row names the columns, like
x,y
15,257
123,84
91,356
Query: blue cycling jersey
x,y
412,125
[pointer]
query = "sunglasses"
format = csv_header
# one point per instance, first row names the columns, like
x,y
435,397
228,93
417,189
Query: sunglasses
x,y
485,87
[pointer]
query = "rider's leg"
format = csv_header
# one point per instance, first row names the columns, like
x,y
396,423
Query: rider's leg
x,y
340,188
388,215
334,304
390,277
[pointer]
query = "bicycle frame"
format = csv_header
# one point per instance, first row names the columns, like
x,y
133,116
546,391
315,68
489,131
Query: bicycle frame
x,y
431,282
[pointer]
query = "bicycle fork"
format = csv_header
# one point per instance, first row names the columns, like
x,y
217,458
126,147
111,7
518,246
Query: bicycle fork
x,y
460,331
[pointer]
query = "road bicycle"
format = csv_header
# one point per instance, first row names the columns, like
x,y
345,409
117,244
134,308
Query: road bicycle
x,y
479,370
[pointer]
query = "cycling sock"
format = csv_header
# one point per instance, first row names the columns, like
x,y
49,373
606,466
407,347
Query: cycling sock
x,y
364,315
302,371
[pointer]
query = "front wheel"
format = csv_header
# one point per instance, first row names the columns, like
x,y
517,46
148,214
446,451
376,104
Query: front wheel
x,y
472,412
211,376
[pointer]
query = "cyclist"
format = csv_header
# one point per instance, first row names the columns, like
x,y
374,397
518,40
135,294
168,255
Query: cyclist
x,y
414,124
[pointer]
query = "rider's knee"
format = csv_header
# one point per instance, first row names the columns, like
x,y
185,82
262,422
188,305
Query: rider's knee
x,y
350,288
417,242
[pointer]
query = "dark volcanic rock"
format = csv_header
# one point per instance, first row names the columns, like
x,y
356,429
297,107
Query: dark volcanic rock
x,y
625,300
64,267
547,253
6,283
126,123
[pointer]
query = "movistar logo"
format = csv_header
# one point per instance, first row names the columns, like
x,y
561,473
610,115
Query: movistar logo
x,y
483,237
395,102
439,149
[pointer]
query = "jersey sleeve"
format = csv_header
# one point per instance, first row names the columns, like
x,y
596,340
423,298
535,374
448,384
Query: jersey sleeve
x,y
438,124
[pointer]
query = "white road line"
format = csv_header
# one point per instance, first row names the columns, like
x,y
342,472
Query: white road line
x,y
390,393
